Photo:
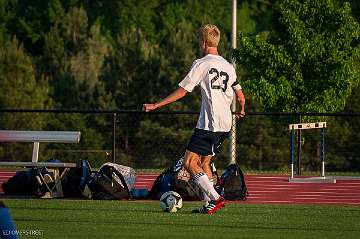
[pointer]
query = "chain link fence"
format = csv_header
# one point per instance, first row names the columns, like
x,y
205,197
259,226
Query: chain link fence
x,y
155,140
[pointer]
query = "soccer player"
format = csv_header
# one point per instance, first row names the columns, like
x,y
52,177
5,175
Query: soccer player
x,y
217,80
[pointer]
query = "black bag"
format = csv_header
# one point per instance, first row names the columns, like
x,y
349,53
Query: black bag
x,y
26,183
108,184
128,173
163,183
76,179
232,184
183,184
187,189
176,178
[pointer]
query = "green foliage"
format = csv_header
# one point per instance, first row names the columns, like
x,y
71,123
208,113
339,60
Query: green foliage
x,y
245,23
75,55
265,145
172,144
19,89
307,62
18,86
110,54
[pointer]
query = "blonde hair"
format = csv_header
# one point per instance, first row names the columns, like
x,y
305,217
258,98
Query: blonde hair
x,y
210,34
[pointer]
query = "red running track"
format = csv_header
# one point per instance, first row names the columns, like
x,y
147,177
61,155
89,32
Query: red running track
x,y
277,190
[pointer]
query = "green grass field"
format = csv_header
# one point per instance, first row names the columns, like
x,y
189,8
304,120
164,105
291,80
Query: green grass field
x,y
144,219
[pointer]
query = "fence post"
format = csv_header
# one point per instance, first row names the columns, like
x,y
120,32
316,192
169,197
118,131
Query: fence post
x,y
233,141
292,151
114,139
299,147
232,152
322,149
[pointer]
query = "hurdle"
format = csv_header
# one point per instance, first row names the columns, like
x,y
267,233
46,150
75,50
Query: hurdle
x,y
301,126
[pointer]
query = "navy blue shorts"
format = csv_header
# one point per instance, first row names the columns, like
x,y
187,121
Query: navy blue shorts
x,y
206,142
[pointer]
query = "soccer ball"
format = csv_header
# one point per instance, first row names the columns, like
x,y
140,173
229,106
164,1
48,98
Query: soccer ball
x,y
170,201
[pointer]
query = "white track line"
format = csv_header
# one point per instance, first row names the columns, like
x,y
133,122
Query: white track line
x,y
320,192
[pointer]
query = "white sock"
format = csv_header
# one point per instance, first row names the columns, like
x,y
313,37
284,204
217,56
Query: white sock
x,y
206,198
206,186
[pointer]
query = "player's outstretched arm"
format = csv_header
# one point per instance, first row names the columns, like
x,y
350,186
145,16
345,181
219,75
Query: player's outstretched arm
x,y
241,99
174,96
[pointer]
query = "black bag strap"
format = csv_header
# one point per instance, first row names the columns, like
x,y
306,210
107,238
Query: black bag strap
x,y
238,169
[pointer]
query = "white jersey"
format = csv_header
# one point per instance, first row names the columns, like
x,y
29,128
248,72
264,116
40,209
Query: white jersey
x,y
217,80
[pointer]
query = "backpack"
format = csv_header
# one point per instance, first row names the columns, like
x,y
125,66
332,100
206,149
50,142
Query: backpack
x,y
178,179
183,184
30,182
163,183
128,173
232,184
24,183
76,179
109,184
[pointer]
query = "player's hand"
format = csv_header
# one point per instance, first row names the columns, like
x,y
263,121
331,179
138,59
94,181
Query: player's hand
x,y
149,107
240,115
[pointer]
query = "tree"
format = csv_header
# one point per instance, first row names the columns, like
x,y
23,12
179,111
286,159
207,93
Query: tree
x,y
18,86
308,62
74,54
74,57
19,89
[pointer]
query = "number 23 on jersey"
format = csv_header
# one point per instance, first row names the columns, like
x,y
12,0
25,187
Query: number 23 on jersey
x,y
219,80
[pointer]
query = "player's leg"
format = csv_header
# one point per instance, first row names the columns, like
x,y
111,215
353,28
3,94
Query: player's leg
x,y
192,163
205,165
216,138
202,144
